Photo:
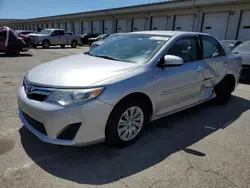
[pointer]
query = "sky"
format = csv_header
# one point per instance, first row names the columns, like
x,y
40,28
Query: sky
x,y
22,9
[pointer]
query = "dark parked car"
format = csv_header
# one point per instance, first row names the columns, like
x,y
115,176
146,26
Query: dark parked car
x,y
244,51
109,38
10,43
85,37
99,37
231,44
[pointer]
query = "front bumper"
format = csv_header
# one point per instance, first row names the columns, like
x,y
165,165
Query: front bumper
x,y
92,115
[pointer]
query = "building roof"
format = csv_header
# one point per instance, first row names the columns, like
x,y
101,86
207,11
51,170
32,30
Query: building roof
x,y
161,5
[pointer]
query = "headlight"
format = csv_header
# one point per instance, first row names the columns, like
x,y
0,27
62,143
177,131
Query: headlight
x,y
69,97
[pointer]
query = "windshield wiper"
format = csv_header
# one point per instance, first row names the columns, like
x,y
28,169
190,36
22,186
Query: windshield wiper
x,y
107,57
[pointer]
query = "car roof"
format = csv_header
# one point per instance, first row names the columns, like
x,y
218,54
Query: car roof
x,y
52,29
169,33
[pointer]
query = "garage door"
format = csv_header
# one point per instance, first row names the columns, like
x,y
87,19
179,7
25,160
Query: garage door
x,y
139,24
61,25
108,26
50,25
216,24
122,25
159,23
77,28
184,23
96,27
85,27
244,30
68,27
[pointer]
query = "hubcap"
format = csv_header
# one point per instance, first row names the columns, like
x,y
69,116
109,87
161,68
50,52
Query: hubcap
x,y
130,123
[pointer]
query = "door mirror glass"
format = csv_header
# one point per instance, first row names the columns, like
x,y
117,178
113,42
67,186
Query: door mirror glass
x,y
172,60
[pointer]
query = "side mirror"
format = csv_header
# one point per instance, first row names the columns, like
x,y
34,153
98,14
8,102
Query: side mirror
x,y
53,34
172,60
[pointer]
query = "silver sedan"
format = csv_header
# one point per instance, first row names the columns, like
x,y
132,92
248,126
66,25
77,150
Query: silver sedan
x,y
113,91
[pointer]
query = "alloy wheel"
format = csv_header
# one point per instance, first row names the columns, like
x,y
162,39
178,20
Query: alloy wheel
x,y
130,123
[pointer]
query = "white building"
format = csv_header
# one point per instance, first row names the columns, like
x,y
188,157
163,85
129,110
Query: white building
x,y
225,19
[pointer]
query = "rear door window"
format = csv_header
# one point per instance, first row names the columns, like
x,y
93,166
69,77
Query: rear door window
x,y
211,47
60,32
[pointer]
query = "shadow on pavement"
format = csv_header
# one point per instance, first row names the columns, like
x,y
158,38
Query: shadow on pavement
x,y
100,164
20,55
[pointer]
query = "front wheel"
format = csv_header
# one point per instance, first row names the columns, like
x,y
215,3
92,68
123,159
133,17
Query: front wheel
x,y
126,122
62,46
223,92
73,44
46,44
33,46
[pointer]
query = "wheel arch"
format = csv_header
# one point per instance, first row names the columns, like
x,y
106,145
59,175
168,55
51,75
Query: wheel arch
x,y
136,95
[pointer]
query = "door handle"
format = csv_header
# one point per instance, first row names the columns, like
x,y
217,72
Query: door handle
x,y
199,69
224,64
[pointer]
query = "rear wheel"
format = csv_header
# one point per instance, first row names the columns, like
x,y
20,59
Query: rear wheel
x,y
46,44
62,46
33,46
73,44
126,122
223,91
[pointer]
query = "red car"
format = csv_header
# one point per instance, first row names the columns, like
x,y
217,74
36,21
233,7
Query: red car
x,y
12,44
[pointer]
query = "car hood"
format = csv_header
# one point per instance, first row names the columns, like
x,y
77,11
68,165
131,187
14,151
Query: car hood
x,y
77,71
99,42
38,35
245,57
92,38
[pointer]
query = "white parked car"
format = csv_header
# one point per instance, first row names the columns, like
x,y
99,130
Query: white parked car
x,y
111,92
52,37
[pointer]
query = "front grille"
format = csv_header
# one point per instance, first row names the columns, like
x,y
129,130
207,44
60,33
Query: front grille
x,y
32,39
69,132
36,93
34,123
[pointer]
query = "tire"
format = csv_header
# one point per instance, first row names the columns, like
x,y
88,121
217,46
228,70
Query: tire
x,y
73,44
223,92
113,137
33,46
46,44
62,46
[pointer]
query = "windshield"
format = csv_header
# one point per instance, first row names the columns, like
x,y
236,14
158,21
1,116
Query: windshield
x,y
243,47
113,36
46,31
131,48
